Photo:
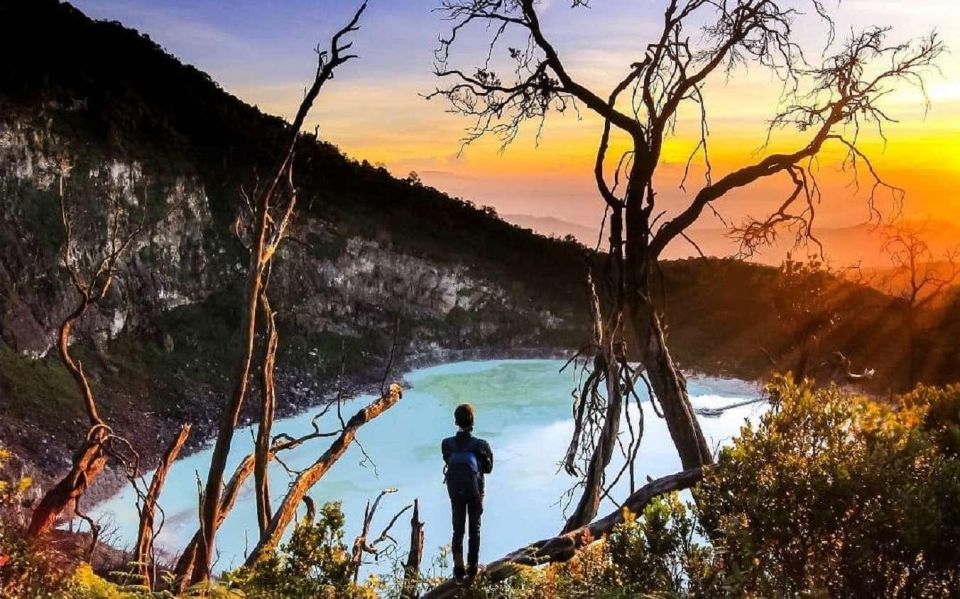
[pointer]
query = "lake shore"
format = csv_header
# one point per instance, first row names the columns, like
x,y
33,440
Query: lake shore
x,y
524,411
292,401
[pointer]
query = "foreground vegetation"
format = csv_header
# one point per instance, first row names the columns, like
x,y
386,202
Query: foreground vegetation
x,y
831,494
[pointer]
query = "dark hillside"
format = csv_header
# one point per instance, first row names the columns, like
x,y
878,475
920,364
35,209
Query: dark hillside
x,y
116,89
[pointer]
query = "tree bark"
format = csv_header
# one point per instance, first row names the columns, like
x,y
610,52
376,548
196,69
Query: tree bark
x,y
267,411
88,462
74,367
143,550
231,491
608,338
670,389
210,512
589,502
90,459
307,478
92,456
665,379
260,254
565,546
411,570
188,558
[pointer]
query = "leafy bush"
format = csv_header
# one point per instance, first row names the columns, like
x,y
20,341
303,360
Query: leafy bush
x,y
26,569
838,494
830,495
315,562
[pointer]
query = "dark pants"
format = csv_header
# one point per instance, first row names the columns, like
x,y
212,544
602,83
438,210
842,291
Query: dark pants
x,y
465,508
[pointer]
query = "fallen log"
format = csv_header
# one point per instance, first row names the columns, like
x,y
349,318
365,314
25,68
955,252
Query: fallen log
x,y
563,547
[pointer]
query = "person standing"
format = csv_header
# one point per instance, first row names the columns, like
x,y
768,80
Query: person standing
x,y
467,459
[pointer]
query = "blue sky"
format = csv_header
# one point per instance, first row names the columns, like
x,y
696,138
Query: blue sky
x,y
262,52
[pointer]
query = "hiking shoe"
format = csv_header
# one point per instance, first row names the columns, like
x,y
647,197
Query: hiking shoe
x,y
459,574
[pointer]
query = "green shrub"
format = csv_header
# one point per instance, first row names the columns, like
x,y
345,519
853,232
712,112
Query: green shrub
x,y
315,562
27,570
837,494
830,495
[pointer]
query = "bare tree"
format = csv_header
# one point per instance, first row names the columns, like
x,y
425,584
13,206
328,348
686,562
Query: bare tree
x,y
231,491
91,283
411,569
606,382
147,530
363,544
826,104
917,280
272,211
307,478
267,410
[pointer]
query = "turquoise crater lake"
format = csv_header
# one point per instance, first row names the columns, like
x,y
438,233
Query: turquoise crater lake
x,y
523,410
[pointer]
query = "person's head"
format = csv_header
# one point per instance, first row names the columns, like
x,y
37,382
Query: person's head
x,y
463,416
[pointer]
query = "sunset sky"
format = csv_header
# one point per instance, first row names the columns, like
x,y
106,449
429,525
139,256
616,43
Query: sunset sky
x,y
262,52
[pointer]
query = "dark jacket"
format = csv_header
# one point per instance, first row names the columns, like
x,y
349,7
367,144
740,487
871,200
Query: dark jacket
x,y
464,440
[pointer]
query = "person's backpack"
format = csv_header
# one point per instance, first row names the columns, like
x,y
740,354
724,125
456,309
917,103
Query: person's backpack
x,y
463,472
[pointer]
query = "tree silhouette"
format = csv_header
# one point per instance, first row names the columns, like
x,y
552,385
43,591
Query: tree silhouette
x,y
918,278
825,104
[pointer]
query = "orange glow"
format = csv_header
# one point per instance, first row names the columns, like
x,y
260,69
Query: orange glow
x,y
553,176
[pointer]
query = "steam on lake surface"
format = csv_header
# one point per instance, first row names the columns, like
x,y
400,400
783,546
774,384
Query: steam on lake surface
x,y
523,410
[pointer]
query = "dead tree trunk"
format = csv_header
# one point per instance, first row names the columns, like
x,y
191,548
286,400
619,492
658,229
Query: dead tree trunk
x,y
309,477
643,315
411,570
92,456
589,502
268,232
670,75
670,389
610,347
143,550
563,547
228,423
188,558
268,409
88,462
362,544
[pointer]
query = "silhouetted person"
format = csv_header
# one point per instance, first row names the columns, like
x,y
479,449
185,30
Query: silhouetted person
x,y
467,459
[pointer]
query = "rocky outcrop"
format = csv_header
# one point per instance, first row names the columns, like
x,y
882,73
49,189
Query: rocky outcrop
x,y
166,266
329,285
325,281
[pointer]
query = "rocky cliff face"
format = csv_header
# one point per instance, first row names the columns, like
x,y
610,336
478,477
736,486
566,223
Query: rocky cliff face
x,y
165,267
150,349
325,281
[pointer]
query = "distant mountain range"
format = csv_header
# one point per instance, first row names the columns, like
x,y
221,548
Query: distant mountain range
x,y
843,246
554,227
